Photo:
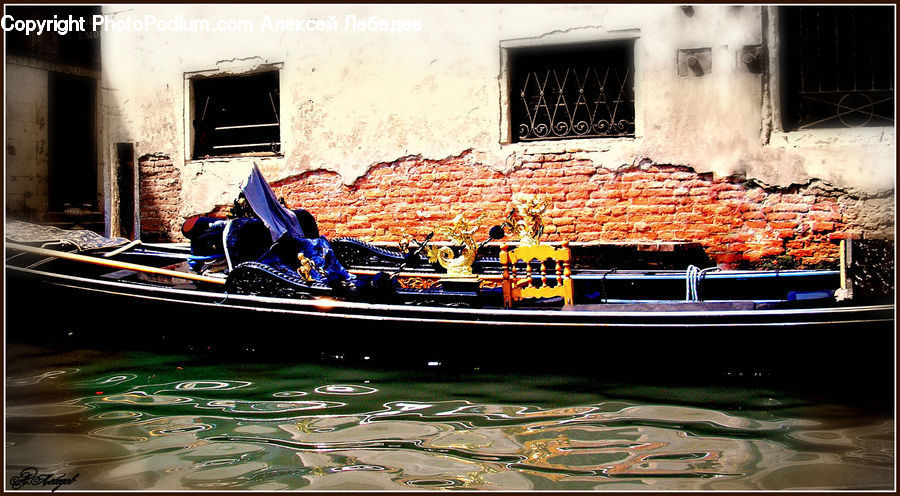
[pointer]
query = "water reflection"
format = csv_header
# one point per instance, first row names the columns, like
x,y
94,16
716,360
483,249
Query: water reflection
x,y
345,390
306,428
36,379
289,394
104,381
210,385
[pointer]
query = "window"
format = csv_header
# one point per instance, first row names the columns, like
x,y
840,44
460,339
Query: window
x,y
838,65
236,115
572,91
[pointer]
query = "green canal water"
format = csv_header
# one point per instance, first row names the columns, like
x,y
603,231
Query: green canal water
x,y
113,420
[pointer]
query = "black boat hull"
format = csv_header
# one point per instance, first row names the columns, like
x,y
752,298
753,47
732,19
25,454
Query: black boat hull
x,y
650,337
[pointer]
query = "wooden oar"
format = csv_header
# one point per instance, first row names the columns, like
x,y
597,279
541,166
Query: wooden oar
x,y
426,275
114,264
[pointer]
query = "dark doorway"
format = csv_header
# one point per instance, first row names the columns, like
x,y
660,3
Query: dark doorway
x,y
125,182
72,144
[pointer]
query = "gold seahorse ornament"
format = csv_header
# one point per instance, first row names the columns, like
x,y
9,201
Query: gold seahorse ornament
x,y
459,233
525,217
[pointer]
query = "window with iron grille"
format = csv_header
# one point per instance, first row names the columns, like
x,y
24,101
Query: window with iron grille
x,y
572,91
236,115
839,66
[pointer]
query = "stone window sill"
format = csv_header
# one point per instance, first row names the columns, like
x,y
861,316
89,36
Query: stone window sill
x,y
234,158
838,137
568,145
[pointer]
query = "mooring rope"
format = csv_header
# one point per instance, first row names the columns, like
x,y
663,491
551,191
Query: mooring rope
x,y
693,276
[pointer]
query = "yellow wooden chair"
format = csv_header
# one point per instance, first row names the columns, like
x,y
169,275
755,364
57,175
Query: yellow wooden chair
x,y
517,286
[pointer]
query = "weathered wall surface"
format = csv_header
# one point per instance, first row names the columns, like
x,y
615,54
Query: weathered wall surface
x,y
160,187
737,221
356,105
26,140
32,63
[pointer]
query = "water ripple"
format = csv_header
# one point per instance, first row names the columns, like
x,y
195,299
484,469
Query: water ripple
x,y
46,410
289,394
37,379
302,427
347,389
114,380
142,398
268,407
209,385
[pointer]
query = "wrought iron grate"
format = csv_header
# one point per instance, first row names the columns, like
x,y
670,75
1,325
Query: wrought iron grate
x,y
585,91
840,66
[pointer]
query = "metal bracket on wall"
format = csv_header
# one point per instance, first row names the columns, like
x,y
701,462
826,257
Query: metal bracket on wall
x,y
753,58
694,62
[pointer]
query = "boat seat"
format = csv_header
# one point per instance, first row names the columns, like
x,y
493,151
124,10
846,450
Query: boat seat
x,y
519,284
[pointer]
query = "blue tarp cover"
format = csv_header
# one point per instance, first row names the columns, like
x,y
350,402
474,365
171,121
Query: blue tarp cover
x,y
262,199
286,232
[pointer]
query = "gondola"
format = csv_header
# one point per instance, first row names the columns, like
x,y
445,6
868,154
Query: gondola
x,y
233,284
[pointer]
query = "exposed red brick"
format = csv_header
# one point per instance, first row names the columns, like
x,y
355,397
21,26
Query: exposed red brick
x,y
735,221
160,190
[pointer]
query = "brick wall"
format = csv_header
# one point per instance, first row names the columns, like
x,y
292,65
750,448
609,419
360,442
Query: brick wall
x,y
160,199
740,223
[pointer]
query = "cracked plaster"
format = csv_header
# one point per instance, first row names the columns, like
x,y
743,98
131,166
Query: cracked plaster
x,y
354,101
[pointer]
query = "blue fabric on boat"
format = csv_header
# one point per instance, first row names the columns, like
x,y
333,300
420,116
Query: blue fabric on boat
x,y
318,250
290,239
205,234
276,216
246,239
307,223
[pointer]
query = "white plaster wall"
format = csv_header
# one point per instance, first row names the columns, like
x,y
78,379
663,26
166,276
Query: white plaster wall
x,y
353,99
